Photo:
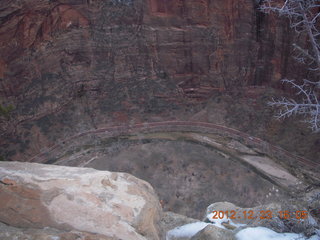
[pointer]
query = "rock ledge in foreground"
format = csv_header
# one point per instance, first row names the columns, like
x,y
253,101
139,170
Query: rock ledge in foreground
x,y
112,204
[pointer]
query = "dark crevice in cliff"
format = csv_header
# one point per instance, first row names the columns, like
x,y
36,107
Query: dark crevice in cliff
x,y
8,17
266,40
286,49
260,19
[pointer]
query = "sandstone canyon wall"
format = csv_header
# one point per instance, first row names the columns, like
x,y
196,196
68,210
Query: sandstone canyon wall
x,y
68,66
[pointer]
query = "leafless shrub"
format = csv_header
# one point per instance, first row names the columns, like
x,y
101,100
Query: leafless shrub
x,y
304,19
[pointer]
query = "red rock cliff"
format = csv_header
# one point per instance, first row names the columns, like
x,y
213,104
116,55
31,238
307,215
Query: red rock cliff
x,y
71,65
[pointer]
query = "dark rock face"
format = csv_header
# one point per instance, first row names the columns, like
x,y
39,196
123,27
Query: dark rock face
x,y
69,65
187,177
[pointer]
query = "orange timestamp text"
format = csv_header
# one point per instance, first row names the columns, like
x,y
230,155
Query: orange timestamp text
x,y
262,214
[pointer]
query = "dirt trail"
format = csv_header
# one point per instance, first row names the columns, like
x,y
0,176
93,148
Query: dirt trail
x,y
198,127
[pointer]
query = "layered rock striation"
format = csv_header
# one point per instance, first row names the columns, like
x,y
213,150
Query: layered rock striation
x,y
68,66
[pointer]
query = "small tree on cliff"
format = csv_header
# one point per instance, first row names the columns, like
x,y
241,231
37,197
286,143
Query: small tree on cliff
x,y
304,18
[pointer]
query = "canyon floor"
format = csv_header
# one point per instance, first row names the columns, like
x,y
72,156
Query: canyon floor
x,y
190,168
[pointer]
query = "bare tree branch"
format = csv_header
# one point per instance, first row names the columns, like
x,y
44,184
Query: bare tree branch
x,y
304,19
308,106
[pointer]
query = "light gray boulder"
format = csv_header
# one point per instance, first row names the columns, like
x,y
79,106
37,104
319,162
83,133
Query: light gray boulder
x,y
111,204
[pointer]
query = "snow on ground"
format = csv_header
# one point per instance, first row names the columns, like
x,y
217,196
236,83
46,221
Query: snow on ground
x,y
262,233
191,229
187,230
251,233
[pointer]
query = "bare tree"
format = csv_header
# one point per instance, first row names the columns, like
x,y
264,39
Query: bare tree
x,y
304,19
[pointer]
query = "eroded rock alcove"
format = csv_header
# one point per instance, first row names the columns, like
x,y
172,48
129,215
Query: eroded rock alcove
x,y
188,176
188,170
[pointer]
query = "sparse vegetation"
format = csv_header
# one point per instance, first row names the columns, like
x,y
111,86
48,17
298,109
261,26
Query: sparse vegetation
x,y
304,19
6,110
5,116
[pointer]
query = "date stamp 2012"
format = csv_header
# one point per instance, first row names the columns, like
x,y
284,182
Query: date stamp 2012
x,y
262,214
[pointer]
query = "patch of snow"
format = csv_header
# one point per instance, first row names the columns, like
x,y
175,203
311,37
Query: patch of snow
x,y
251,233
192,229
55,238
315,237
263,233
187,230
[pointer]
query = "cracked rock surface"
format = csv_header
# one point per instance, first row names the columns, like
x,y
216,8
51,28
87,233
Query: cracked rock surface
x,y
100,202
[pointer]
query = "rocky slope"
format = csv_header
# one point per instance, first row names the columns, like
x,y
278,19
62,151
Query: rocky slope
x,y
67,66
194,159
46,202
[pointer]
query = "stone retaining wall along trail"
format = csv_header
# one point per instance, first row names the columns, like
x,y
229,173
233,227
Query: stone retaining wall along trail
x,y
181,126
